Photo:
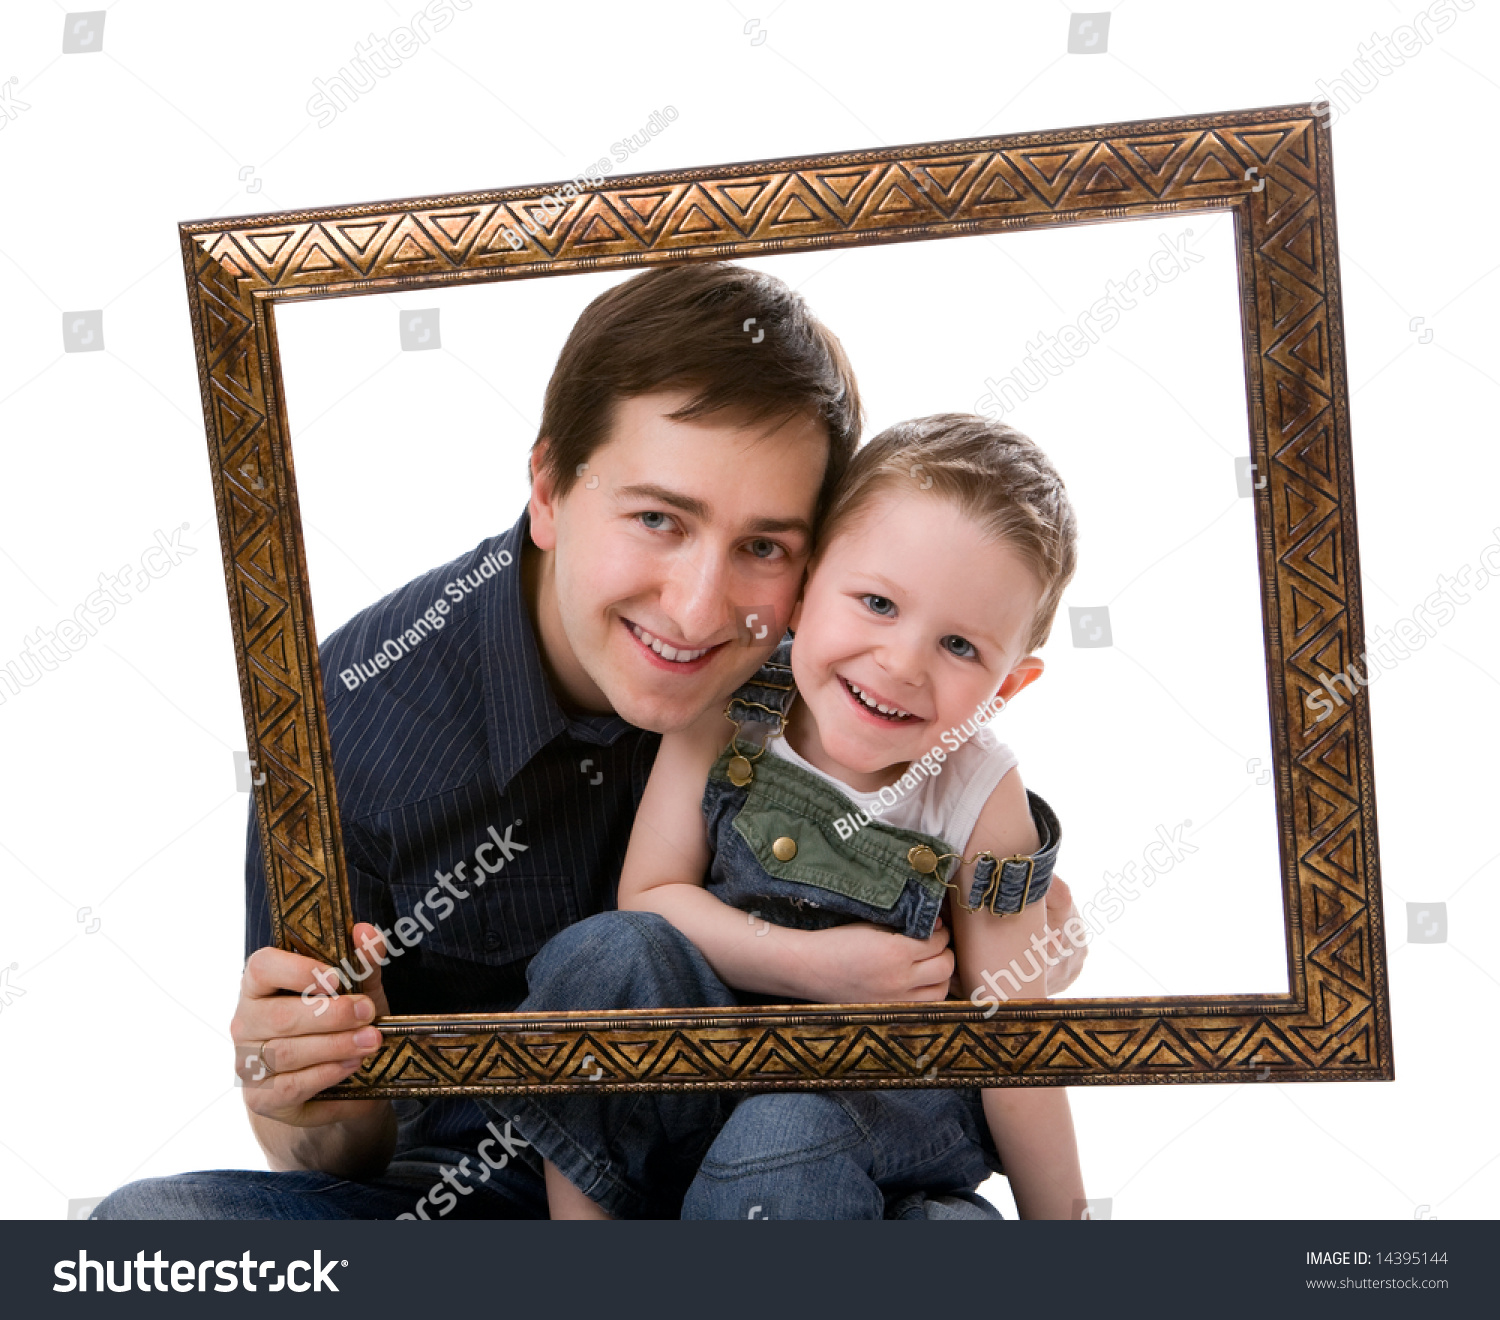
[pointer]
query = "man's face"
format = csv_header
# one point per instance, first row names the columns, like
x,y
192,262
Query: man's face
x,y
670,537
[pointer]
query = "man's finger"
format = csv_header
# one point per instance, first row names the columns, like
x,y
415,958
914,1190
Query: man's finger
x,y
285,1093
295,1015
273,971
369,940
298,1052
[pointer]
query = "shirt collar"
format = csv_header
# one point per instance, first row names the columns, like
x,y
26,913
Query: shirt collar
x,y
522,713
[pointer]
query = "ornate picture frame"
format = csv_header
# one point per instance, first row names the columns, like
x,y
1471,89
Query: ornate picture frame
x,y
1271,168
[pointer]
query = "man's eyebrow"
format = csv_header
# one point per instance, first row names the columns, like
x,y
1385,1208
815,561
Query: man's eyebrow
x,y
699,509
798,525
662,495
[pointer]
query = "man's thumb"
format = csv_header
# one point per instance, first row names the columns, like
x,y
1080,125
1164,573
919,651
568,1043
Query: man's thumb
x,y
371,952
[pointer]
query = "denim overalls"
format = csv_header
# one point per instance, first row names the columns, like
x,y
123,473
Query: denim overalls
x,y
778,855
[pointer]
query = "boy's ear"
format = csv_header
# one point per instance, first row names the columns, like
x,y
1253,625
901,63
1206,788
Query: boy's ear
x,y
543,502
1025,672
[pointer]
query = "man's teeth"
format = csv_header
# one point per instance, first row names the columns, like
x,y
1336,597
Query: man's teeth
x,y
668,652
870,702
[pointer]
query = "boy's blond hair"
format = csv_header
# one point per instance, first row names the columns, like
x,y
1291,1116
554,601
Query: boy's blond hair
x,y
992,473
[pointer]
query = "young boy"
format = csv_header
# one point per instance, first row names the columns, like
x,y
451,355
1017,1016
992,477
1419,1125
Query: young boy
x,y
874,784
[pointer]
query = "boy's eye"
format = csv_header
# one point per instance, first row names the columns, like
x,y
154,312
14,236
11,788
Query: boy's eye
x,y
880,605
763,549
654,520
959,646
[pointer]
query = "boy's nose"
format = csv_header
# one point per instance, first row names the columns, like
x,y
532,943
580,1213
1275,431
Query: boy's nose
x,y
901,659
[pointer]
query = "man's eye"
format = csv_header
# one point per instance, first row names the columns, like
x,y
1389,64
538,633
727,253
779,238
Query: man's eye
x,y
959,646
654,521
879,605
763,549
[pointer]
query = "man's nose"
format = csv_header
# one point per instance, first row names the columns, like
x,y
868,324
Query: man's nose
x,y
696,595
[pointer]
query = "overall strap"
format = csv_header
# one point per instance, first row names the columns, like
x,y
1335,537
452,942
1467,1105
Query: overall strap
x,y
770,687
1007,885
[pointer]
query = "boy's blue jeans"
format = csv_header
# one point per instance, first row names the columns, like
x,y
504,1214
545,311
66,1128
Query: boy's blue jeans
x,y
824,1155
728,1155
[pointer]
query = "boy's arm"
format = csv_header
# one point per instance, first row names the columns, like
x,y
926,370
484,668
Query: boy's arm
x,y
668,858
665,866
1032,1126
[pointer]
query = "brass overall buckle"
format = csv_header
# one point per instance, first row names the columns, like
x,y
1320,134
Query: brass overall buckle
x,y
741,768
924,861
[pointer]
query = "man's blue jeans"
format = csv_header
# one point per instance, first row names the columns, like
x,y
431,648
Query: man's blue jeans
x,y
803,1155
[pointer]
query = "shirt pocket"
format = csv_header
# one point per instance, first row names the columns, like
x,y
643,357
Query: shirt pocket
x,y
491,920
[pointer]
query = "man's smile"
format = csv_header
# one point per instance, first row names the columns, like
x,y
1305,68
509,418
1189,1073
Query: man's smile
x,y
676,659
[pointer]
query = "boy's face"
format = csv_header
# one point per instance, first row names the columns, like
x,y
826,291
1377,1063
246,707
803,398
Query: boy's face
x,y
912,608
672,533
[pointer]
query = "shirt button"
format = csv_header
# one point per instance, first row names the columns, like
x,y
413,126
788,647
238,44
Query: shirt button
x,y
492,939
785,848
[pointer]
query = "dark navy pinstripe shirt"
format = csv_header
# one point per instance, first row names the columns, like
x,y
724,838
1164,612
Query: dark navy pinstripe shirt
x,y
456,744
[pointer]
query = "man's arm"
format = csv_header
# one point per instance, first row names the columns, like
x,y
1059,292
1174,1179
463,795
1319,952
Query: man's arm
x,y
293,1039
296,1031
665,865
1032,1126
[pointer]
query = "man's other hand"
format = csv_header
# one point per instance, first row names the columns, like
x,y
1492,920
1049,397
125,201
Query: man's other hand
x,y
298,1030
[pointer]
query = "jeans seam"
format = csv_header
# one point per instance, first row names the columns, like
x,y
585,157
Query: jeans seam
x,y
651,930
606,1190
740,1169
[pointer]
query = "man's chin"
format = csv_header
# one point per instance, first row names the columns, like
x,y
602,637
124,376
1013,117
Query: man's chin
x,y
663,711
663,716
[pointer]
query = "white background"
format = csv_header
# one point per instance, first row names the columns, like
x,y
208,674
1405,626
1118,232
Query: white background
x,y
120,803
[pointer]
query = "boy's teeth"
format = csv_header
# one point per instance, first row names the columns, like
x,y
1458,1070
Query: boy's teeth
x,y
875,705
667,652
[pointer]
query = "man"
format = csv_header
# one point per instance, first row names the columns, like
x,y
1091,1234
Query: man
x,y
677,480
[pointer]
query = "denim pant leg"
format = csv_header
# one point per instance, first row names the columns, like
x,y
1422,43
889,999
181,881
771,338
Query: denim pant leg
x,y
845,1155
412,1184
634,1154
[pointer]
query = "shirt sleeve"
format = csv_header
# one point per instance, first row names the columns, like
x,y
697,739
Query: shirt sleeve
x,y
257,901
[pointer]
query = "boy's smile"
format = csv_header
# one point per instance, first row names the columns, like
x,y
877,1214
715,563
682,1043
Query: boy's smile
x,y
912,620
869,704
644,566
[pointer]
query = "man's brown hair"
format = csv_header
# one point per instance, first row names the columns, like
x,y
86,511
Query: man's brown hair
x,y
690,328
992,474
